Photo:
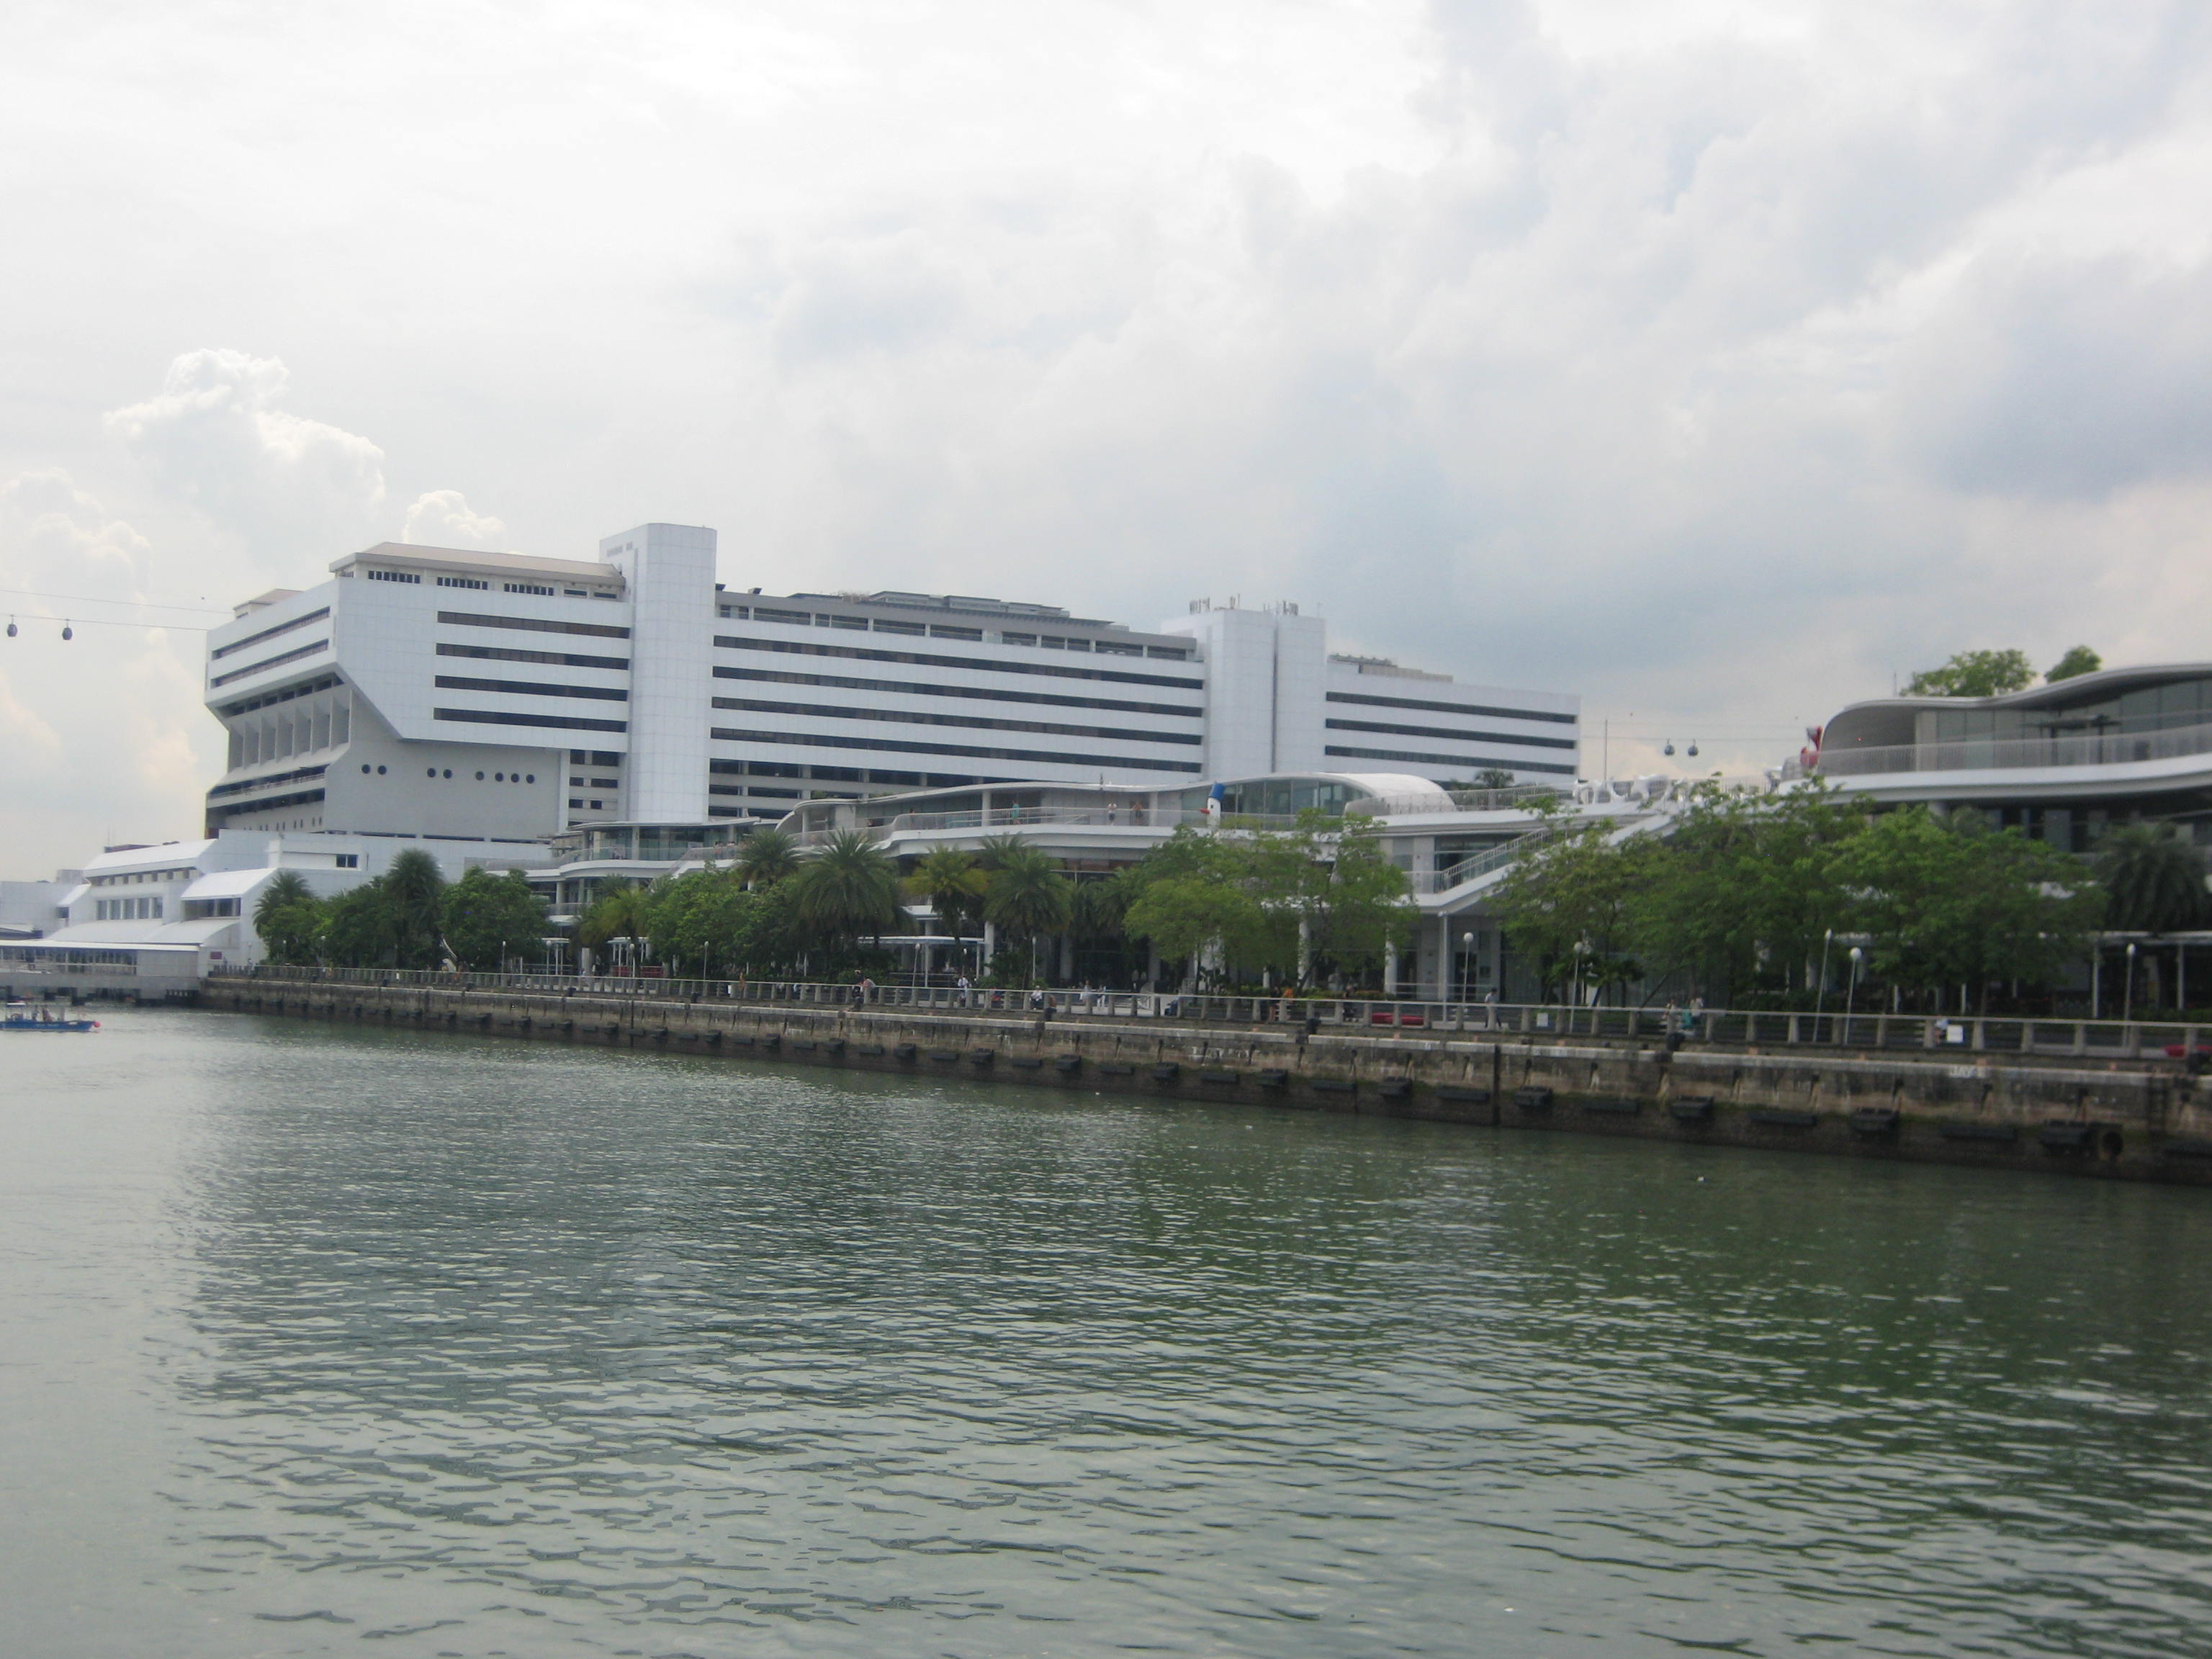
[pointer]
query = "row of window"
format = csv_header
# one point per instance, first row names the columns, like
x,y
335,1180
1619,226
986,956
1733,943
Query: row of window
x,y
887,746
269,782
984,693
1109,647
1510,763
532,625
556,659
219,813
972,722
1434,735
921,658
139,877
510,717
127,909
270,700
496,777
236,645
251,669
1475,708
531,687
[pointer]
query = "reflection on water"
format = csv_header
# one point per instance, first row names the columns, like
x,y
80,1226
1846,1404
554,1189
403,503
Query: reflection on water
x,y
478,1347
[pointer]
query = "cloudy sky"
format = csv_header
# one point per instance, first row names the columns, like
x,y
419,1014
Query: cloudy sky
x,y
1716,360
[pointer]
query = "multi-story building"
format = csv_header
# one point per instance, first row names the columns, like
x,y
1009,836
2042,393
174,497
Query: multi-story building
x,y
2058,761
467,695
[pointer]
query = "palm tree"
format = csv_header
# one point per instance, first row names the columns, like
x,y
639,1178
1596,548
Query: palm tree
x,y
618,912
1028,897
954,883
414,891
848,888
766,857
2153,880
285,915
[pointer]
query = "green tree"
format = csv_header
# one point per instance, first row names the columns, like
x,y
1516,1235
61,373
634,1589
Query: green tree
x,y
489,919
618,910
1974,674
954,883
1566,903
766,857
413,893
356,929
1743,884
1195,898
1027,898
1493,777
290,918
2080,661
848,887
1950,901
1346,903
2153,879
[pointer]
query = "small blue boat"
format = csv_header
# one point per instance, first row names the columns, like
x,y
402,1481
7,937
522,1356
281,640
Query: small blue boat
x,y
24,1017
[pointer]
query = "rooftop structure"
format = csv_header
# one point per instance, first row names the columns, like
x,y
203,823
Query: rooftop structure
x,y
2057,760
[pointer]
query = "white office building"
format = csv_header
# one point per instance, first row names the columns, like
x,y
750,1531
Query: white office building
x,y
494,696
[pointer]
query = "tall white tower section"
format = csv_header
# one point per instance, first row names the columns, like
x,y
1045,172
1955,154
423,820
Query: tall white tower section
x,y
669,572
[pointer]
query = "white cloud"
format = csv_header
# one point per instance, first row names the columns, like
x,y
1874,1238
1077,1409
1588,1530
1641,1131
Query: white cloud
x,y
101,736
216,437
1714,358
442,518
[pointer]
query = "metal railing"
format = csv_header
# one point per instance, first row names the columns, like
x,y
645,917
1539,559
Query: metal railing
x,y
1957,1036
2093,747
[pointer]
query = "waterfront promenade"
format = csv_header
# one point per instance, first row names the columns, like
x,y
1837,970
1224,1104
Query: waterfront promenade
x,y
2064,1096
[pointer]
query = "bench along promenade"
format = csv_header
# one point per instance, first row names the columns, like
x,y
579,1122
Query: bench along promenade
x,y
2090,1097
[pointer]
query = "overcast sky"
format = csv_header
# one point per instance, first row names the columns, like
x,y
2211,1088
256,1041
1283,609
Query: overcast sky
x,y
1715,361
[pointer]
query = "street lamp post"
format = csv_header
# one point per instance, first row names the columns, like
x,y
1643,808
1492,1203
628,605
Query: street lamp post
x,y
1850,997
2127,995
1467,966
1821,996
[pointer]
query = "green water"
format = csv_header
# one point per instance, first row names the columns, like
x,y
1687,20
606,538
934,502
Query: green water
x,y
323,1341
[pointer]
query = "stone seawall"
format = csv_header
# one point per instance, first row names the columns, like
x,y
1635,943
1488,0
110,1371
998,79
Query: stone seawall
x,y
2145,1121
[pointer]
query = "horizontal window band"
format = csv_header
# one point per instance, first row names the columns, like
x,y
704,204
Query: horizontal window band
x,y
971,722
723,734
531,687
305,797
987,693
505,717
271,699
270,783
532,625
251,640
1481,709
930,660
1436,736
269,662
555,658
1508,762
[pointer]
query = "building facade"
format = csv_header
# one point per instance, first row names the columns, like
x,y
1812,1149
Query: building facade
x,y
2060,761
491,695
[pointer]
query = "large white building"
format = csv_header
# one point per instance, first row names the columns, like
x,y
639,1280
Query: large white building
x,y
469,695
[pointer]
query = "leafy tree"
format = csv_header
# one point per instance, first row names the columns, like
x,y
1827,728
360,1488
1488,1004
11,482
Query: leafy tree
x,y
1744,880
1027,898
954,883
2080,661
617,911
1347,903
412,891
1189,918
766,857
1953,901
288,917
1974,674
488,919
1567,904
357,930
2153,880
847,888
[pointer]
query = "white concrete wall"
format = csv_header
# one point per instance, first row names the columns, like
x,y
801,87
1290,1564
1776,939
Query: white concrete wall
x,y
670,571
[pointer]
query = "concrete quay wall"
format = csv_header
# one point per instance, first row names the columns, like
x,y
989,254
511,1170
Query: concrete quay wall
x,y
2144,1122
